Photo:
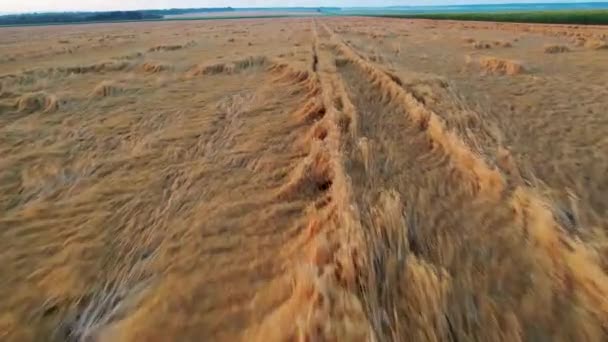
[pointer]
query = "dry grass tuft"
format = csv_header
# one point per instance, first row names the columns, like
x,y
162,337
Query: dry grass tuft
x,y
97,67
229,67
596,44
503,43
106,89
428,90
396,49
312,176
556,49
393,77
340,62
481,45
33,102
211,69
397,282
154,67
311,111
250,62
579,41
292,75
166,48
134,55
501,66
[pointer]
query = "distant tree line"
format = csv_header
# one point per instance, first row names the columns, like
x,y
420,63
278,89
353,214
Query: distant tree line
x,y
80,17
582,17
174,11
73,17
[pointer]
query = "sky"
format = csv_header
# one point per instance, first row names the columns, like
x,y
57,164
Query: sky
x,y
13,6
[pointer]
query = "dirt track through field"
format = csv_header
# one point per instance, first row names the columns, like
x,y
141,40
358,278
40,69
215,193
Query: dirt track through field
x,y
326,193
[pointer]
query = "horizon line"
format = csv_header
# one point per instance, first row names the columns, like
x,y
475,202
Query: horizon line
x,y
310,7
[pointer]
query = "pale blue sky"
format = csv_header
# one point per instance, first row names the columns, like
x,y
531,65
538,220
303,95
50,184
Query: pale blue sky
x,y
7,6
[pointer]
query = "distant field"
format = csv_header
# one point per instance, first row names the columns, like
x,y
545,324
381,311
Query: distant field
x,y
584,17
241,14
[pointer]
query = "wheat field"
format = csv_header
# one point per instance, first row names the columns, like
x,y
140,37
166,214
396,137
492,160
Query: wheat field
x,y
304,179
